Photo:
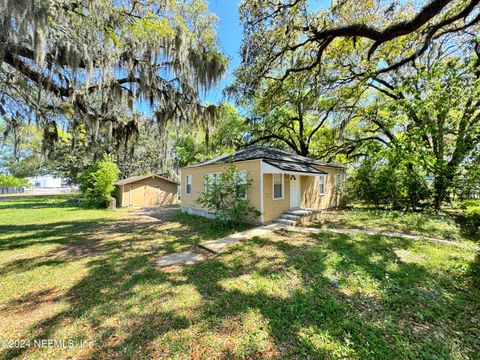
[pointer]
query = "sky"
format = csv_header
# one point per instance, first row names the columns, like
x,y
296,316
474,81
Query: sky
x,y
230,33
230,37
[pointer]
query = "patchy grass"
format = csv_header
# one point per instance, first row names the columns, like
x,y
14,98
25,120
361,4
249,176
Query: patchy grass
x,y
430,225
72,273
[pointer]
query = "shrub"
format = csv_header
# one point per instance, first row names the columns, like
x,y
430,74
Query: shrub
x,y
472,214
470,202
9,181
389,185
97,182
416,189
223,194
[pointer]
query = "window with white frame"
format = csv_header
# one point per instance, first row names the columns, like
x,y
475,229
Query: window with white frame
x,y
241,181
339,183
322,184
277,186
188,183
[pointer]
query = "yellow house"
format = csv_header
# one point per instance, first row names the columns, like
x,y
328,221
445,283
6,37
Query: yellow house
x,y
284,186
147,190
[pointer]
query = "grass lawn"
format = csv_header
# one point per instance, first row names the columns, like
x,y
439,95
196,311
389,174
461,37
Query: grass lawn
x,y
73,273
442,226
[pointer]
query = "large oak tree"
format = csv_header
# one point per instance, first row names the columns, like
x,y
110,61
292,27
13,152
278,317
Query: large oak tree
x,y
359,38
87,64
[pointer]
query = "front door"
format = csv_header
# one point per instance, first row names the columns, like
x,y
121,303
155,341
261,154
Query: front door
x,y
294,191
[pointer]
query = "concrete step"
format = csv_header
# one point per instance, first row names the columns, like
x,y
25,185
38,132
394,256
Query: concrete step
x,y
285,222
299,212
291,217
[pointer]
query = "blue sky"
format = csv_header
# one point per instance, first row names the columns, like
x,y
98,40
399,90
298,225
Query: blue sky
x,y
229,33
230,36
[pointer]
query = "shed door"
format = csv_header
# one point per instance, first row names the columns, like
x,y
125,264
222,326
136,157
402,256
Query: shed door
x,y
152,195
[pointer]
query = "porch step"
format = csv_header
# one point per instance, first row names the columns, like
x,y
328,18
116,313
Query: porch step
x,y
299,212
285,222
290,217
295,216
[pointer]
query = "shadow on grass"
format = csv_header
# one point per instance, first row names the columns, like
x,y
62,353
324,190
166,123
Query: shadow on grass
x,y
316,317
467,229
118,257
371,326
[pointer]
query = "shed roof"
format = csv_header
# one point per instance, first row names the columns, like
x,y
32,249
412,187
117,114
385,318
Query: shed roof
x,y
266,153
142,177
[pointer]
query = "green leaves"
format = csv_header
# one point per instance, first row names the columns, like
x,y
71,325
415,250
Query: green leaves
x,y
394,184
90,63
225,194
10,181
96,182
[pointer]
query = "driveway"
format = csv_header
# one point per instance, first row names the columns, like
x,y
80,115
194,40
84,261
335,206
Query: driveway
x,y
162,213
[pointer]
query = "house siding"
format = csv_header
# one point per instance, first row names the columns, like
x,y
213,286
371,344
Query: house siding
x,y
188,202
310,194
147,192
274,208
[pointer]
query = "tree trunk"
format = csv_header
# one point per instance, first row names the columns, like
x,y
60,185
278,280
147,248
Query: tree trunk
x,y
440,191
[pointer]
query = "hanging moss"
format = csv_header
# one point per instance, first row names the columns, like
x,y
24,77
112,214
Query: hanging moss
x,y
101,55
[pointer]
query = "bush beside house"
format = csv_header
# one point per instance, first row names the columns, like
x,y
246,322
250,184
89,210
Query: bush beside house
x,y
224,195
97,182
388,186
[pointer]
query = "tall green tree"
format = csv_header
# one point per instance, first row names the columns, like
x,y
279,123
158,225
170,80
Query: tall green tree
x,y
298,114
84,64
442,106
359,39
196,142
467,181
21,149
429,117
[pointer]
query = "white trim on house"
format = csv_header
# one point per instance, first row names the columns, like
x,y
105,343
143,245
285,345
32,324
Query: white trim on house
x,y
198,212
123,195
295,191
244,179
339,183
282,176
261,191
322,179
211,176
188,176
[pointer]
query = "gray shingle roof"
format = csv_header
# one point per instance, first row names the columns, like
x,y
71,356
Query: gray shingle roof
x,y
295,167
266,153
142,177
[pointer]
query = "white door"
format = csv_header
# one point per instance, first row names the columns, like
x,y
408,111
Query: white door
x,y
295,191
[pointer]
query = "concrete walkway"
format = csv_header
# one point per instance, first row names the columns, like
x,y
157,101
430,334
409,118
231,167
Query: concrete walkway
x,y
309,230
215,246
220,245
183,258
